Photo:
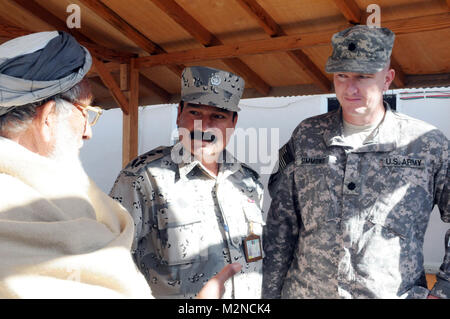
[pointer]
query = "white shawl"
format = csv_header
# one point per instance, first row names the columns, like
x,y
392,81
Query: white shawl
x,y
61,236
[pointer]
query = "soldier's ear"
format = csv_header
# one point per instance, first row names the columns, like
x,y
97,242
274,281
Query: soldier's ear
x,y
389,77
235,118
180,109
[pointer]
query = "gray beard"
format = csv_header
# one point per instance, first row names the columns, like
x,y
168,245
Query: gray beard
x,y
66,148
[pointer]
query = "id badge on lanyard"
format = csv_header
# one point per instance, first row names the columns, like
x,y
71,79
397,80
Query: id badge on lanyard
x,y
252,246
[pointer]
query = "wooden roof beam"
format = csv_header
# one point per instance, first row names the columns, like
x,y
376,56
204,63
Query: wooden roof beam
x,y
286,43
111,84
279,44
185,20
207,39
260,15
49,18
350,11
110,66
129,31
143,79
155,88
117,22
263,18
428,80
432,22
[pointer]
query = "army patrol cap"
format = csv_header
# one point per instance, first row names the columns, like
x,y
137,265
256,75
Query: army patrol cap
x,y
208,86
360,49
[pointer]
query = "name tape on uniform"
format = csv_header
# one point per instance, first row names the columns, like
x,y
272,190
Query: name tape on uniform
x,y
399,161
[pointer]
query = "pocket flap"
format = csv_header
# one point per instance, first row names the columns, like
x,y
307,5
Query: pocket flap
x,y
392,224
169,218
253,213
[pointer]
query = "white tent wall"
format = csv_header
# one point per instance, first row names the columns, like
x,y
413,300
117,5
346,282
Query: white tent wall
x,y
266,124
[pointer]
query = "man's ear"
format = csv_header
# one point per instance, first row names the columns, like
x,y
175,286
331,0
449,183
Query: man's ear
x,y
390,75
235,119
45,120
180,109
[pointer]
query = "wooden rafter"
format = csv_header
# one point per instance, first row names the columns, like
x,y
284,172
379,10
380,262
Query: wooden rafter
x,y
428,80
118,23
298,56
279,44
269,25
111,84
349,10
129,31
432,22
354,15
137,37
124,80
207,39
286,43
49,18
110,66
182,18
155,88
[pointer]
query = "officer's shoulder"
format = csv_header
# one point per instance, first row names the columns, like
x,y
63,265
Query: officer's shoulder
x,y
316,123
149,159
419,128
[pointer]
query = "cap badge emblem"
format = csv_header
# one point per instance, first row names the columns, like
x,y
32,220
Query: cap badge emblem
x,y
215,80
352,46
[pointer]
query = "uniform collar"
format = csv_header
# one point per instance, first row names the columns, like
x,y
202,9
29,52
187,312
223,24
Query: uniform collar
x,y
382,139
228,165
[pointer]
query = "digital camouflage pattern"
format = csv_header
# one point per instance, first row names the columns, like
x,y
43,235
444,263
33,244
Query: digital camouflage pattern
x,y
360,49
350,223
442,288
189,224
208,86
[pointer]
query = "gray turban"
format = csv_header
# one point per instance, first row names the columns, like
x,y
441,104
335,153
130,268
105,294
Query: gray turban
x,y
40,65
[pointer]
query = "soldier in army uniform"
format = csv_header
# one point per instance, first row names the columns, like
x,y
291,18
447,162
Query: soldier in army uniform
x,y
195,207
352,200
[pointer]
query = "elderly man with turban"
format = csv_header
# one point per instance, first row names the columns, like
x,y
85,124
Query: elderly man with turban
x,y
60,236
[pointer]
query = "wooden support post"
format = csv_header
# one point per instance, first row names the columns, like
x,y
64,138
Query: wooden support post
x,y
111,84
130,82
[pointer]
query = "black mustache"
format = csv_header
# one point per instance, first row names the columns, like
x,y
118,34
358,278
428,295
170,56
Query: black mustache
x,y
203,136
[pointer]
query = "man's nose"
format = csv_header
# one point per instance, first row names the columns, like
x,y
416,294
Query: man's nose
x,y
352,86
203,124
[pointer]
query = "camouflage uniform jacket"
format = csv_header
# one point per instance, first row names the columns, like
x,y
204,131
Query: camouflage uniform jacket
x,y
350,223
189,224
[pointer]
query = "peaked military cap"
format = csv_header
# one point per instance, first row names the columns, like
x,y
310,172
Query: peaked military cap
x,y
208,86
360,49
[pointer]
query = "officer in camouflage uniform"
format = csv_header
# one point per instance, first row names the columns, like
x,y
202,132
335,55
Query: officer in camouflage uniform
x,y
355,189
192,213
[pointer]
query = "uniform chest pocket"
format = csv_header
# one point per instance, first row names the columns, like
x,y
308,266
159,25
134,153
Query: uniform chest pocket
x,y
180,237
396,204
405,190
